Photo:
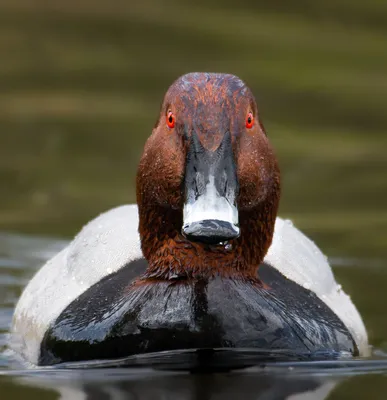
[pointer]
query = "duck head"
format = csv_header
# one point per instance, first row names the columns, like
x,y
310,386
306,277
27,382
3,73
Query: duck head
x,y
208,183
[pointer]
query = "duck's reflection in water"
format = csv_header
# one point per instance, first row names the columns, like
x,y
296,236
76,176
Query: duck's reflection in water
x,y
122,386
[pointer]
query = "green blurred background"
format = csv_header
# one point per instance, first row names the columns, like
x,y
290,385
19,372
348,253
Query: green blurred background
x,y
81,83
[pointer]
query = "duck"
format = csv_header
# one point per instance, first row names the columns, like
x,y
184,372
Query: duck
x,y
202,261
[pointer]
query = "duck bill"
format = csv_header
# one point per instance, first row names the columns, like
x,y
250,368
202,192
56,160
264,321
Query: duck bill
x,y
210,212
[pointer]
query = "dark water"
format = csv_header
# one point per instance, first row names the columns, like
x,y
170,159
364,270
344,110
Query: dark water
x,y
80,87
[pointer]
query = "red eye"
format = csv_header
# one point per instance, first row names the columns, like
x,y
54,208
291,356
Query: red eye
x,y
249,120
170,119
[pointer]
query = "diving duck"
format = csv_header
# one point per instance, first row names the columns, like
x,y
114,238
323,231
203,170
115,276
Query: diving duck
x,y
201,262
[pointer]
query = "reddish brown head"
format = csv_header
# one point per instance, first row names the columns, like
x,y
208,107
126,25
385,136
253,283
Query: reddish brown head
x,y
208,183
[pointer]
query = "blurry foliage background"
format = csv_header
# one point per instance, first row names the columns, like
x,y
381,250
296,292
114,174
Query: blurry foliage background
x,y
81,82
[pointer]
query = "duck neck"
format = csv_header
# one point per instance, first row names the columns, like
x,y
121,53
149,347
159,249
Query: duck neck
x,y
171,256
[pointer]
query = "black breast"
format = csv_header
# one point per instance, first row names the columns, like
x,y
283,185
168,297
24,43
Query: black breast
x,y
114,318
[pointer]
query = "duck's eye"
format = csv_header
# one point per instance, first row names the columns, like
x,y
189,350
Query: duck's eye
x,y
249,120
170,119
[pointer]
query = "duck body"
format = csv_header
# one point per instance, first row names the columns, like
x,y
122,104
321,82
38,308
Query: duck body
x,y
202,261
82,305
203,314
